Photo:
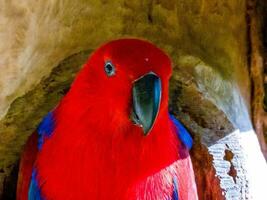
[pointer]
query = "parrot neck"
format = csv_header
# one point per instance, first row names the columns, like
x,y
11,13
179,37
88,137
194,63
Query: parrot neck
x,y
90,152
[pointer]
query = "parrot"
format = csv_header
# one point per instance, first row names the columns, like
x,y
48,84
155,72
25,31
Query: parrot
x,y
111,137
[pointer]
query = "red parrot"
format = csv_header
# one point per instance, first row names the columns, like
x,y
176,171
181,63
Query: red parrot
x,y
111,136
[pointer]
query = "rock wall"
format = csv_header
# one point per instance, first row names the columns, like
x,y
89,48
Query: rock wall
x,y
44,43
38,35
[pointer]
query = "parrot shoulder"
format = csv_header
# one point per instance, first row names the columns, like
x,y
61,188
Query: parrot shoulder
x,y
182,133
45,128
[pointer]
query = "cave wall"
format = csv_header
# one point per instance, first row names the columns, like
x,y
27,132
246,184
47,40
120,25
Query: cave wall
x,y
38,35
44,43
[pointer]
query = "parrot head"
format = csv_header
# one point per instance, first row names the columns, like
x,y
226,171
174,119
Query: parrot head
x,y
127,80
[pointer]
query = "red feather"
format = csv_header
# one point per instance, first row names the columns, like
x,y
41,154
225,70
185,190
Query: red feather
x,y
26,165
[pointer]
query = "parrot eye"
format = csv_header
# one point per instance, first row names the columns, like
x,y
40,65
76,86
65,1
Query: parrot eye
x,y
109,68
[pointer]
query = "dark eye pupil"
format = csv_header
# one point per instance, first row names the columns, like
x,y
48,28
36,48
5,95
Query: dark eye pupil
x,y
109,69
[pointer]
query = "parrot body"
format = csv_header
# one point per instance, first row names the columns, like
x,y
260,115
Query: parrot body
x,y
111,136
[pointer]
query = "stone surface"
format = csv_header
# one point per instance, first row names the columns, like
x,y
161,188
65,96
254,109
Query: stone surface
x,y
38,35
209,88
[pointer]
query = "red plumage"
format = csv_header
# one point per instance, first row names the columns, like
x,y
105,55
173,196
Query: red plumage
x,y
26,165
96,152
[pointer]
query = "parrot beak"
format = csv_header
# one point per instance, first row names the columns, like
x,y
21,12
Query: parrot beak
x,y
146,101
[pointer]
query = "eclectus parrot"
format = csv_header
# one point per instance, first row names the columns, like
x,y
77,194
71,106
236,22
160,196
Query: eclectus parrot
x,y
111,136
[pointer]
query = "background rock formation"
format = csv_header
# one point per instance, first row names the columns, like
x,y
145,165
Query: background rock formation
x,y
44,43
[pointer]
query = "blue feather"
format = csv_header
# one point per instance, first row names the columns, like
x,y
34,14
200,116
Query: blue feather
x,y
34,190
175,195
45,128
182,133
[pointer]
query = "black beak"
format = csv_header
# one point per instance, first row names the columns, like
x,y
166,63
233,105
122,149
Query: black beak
x,y
146,101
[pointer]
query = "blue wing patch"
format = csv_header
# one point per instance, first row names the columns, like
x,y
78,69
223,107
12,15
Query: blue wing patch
x,y
45,128
34,190
175,195
182,133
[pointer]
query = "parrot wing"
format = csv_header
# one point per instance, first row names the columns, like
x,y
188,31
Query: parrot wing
x,y
184,178
175,195
27,186
34,192
26,165
182,133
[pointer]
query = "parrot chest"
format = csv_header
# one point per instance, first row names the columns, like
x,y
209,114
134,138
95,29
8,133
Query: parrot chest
x,y
171,183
